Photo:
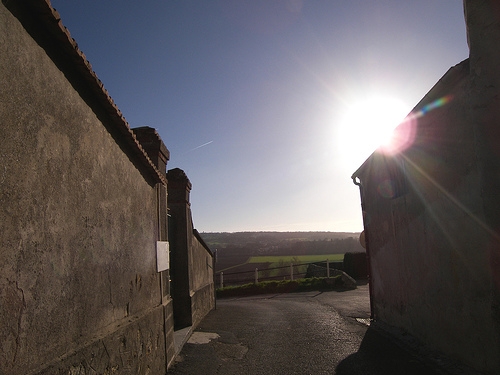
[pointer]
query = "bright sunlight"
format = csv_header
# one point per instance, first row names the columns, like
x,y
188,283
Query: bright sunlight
x,y
366,125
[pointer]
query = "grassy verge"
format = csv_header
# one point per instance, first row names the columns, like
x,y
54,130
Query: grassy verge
x,y
281,286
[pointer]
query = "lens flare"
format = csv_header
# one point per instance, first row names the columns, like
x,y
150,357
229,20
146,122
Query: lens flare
x,y
435,104
402,137
404,134
386,189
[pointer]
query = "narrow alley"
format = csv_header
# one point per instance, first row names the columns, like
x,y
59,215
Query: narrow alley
x,y
297,333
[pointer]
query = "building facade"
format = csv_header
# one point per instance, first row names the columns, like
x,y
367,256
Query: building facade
x,y
430,209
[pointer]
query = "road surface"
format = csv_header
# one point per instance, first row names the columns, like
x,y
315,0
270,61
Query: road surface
x,y
296,333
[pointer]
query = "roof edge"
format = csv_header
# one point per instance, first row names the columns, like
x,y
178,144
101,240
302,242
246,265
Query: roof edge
x,y
452,75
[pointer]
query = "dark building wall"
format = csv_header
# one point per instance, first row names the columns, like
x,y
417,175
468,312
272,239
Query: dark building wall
x,y
78,280
431,210
430,273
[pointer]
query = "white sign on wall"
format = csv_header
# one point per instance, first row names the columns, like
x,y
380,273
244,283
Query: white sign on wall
x,y
162,256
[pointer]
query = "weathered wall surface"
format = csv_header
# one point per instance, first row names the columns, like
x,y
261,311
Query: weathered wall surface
x,y
428,236
78,278
135,348
202,279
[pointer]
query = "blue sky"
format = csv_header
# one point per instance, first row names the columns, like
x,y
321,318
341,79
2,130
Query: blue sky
x,y
264,86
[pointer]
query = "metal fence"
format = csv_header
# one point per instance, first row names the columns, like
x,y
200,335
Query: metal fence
x,y
288,272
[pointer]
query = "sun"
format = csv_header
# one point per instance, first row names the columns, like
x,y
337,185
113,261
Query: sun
x,y
366,125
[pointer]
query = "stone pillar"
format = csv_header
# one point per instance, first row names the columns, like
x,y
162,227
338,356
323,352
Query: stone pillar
x,y
180,235
154,147
159,155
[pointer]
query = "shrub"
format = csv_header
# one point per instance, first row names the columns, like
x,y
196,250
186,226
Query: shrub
x,y
355,265
281,286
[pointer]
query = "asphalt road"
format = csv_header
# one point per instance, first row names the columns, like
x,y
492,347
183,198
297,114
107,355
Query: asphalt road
x,y
297,333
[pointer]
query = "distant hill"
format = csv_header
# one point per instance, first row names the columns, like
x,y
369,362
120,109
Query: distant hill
x,y
223,239
236,248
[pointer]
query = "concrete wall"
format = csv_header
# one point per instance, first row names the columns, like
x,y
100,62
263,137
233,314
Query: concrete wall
x,y
78,281
430,241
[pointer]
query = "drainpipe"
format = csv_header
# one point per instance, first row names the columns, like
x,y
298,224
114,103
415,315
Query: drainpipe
x,y
358,183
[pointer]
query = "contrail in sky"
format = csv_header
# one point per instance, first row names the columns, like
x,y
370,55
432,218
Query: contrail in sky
x,y
203,145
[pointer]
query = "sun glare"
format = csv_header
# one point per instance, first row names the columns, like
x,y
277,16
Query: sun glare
x,y
366,125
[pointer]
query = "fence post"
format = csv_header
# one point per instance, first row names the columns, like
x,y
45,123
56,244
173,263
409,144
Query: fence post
x,y
256,275
291,271
222,279
327,268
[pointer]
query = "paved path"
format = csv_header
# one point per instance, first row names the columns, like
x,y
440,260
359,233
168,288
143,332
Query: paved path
x,y
297,333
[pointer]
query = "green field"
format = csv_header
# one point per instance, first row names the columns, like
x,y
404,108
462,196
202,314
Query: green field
x,y
287,259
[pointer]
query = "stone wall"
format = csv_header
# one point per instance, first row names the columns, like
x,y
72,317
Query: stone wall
x,y
137,347
430,210
202,279
78,211
426,239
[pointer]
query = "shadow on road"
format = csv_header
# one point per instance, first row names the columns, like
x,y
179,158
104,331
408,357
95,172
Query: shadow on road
x,y
377,355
